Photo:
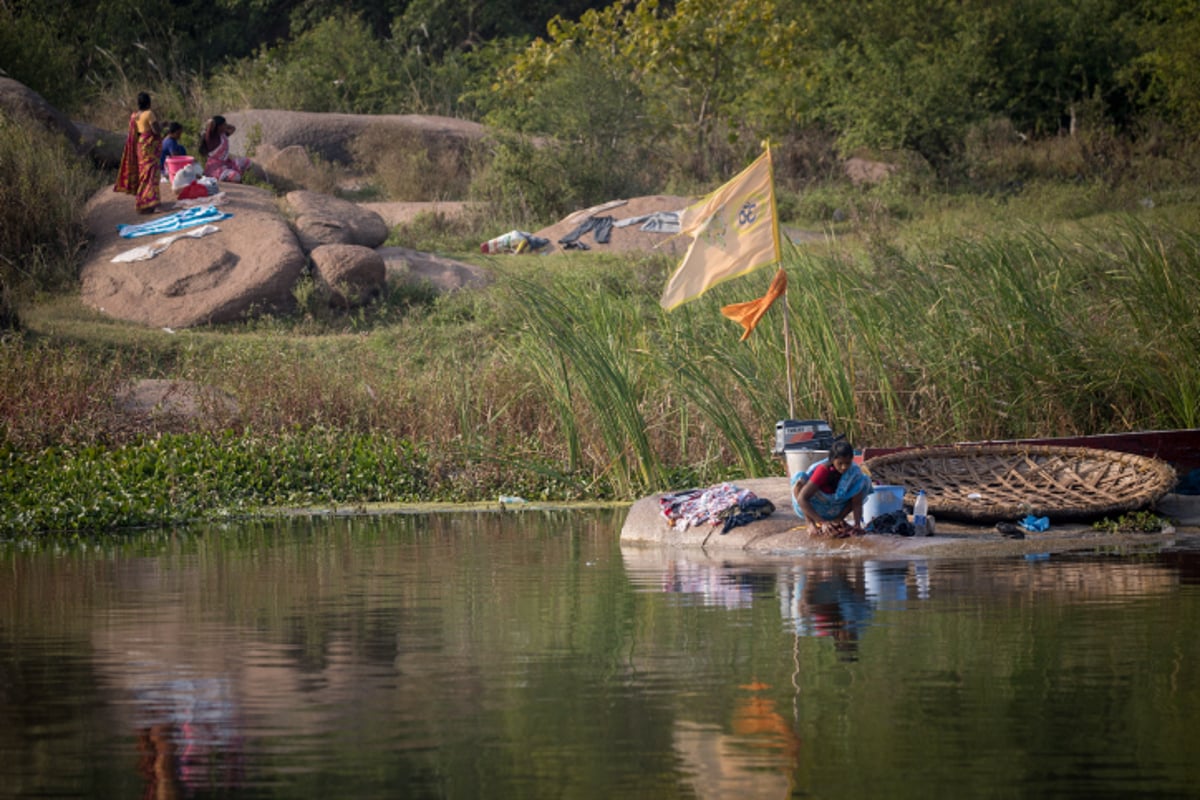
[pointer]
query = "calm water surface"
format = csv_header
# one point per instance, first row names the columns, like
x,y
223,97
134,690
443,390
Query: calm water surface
x,y
531,655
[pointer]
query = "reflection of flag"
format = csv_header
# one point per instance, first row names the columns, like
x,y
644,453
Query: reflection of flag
x,y
733,231
748,314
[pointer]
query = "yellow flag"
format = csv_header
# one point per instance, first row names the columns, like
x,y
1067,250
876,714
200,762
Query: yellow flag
x,y
734,230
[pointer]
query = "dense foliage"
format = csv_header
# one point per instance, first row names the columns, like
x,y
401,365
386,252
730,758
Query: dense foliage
x,y
960,298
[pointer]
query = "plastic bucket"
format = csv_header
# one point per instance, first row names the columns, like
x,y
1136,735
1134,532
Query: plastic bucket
x,y
803,460
176,163
884,500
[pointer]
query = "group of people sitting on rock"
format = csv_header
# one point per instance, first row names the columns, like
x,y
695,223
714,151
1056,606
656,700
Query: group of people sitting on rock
x,y
149,144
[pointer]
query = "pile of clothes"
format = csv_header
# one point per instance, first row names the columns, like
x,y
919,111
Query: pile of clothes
x,y
191,183
724,504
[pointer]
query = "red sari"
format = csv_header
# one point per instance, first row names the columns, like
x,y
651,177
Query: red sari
x,y
141,166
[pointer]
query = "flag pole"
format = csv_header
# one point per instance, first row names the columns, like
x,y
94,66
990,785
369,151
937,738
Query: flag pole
x,y
787,357
787,338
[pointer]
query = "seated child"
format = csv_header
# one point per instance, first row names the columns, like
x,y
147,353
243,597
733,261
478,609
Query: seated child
x,y
171,145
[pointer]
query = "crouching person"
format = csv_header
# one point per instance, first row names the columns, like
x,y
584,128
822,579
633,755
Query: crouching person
x,y
830,491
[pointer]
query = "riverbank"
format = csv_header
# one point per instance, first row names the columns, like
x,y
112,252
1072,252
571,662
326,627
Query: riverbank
x,y
783,534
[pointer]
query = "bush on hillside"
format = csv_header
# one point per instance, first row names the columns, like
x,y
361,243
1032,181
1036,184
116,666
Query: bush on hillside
x,y
43,189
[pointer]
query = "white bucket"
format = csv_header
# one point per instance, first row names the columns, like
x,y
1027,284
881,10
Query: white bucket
x,y
884,500
803,460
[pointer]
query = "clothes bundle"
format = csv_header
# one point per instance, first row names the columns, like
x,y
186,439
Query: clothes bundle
x,y
599,227
724,504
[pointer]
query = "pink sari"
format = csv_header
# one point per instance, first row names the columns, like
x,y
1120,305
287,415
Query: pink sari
x,y
222,166
141,167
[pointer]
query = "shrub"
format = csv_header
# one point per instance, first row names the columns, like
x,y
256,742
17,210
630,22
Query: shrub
x,y
43,188
411,167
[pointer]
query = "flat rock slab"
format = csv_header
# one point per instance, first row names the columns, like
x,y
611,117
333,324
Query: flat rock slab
x,y
249,266
624,240
784,534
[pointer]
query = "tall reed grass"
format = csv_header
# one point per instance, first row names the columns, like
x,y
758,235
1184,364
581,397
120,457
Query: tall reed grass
x,y
566,380
1009,336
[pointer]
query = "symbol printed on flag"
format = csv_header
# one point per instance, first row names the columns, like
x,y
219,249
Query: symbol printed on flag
x,y
748,213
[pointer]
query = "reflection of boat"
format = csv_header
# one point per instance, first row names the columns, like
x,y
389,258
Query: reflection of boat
x,y
1179,448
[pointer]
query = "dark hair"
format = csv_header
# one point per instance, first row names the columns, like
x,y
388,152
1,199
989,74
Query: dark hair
x,y
841,449
143,101
173,128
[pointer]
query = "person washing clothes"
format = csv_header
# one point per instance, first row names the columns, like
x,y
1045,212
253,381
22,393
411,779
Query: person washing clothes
x,y
831,491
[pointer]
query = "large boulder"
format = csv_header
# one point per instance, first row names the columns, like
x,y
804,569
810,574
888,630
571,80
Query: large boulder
x,y
106,147
442,274
349,274
331,136
626,238
324,219
287,169
20,102
249,266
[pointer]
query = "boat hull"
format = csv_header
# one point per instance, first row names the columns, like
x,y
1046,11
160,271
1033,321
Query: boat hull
x,y
1179,448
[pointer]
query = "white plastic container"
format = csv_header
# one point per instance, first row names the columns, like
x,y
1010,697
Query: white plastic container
x,y
884,500
803,460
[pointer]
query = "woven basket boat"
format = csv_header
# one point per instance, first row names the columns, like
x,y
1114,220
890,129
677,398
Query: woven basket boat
x,y
990,483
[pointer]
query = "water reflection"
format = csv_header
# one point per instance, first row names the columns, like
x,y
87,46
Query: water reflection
x,y
529,655
189,736
829,598
755,757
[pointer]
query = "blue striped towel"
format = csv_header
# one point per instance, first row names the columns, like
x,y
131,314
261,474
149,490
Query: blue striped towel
x,y
200,215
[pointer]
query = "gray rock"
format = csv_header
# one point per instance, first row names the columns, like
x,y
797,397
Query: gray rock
x,y
330,136
248,267
105,147
288,168
443,274
350,274
323,219
20,102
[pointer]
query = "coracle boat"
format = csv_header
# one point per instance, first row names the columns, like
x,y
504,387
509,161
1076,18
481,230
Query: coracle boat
x,y
994,482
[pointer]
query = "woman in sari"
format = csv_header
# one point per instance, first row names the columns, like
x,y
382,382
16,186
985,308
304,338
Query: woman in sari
x,y
214,148
831,491
141,162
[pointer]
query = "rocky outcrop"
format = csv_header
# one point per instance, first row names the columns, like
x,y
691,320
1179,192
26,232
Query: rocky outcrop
x,y
287,169
443,274
249,266
323,219
20,102
331,136
105,147
349,274
783,534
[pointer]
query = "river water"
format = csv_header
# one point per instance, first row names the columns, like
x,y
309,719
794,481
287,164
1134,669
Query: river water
x,y
529,654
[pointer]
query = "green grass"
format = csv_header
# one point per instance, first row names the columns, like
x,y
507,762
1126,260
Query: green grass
x,y
926,318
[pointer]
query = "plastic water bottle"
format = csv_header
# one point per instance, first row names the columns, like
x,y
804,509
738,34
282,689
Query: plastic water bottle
x,y
921,511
